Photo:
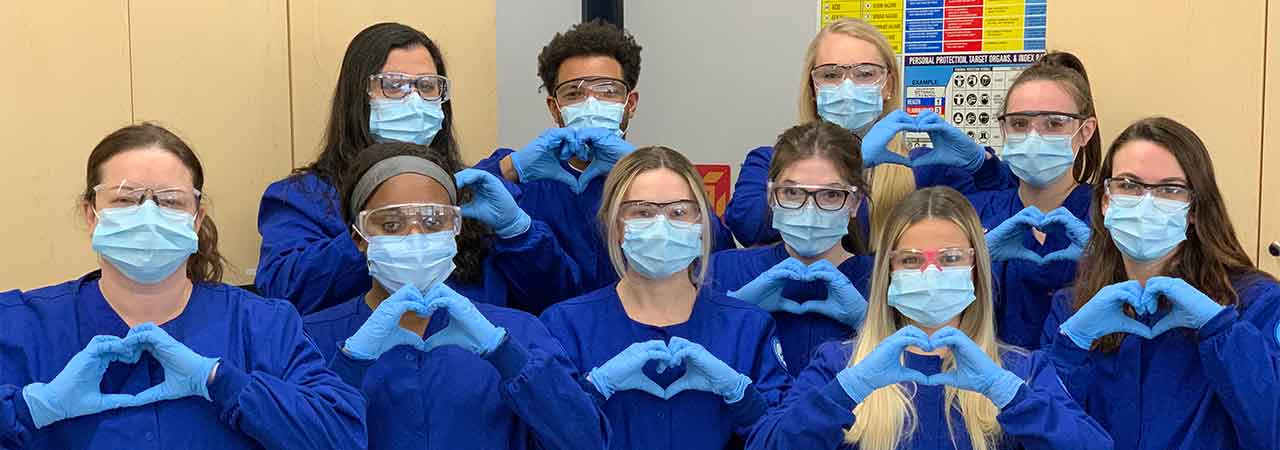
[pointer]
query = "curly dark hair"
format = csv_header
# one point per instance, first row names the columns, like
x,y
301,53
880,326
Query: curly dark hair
x,y
596,37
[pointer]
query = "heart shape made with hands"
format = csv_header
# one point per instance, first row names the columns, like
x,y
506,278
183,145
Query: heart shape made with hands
x,y
580,146
1005,240
1183,301
183,375
822,271
957,344
671,370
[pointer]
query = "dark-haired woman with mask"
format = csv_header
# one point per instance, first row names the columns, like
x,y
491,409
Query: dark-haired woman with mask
x,y
152,350
1169,336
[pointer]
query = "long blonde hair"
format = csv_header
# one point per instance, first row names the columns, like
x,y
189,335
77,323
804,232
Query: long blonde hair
x,y
889,414
619,182
890,183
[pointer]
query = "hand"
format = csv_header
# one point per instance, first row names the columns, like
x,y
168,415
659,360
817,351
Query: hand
x,y
540,160
844,303
1191,308
974,371
492,204
75,391
467,327
1005,240
883,366
382,331
875,145
1104,314
951,147
704,372
606,148
1061,220
186,373
625,371
766,290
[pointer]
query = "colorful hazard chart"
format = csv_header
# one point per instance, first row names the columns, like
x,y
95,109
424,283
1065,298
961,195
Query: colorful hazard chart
x,y
948,26
886,15
968,90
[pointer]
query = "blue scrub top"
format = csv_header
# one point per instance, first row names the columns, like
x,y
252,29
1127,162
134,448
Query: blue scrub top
x,y
594,328
1216,388
272,389
799,334
523,395
817,410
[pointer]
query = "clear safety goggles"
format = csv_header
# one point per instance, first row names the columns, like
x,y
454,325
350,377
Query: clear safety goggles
x,y
865,74
125,194
1050,124
686,211
921,259
1127,192
392,85
577,90
826,198
408,218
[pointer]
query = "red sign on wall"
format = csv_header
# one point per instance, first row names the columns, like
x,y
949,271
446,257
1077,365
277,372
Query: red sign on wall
x,y
715,183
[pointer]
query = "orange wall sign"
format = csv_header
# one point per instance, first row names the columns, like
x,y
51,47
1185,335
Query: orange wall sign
x,y
715,182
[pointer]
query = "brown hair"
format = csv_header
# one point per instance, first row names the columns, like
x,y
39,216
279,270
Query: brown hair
x,y
1210,261
1068,72
206,265
826,140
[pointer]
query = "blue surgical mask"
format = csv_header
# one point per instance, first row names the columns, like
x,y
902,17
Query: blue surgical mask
x,y
656,248
421,260
849,105
145,242
593,113
1146,228
1039,160
931,297
409,119
809,230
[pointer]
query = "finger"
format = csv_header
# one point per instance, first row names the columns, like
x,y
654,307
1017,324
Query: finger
x,y
120,401
912,375
943,378
893,158
651,345
648,386
468,177
1136,328
791,306
143,327
1165,324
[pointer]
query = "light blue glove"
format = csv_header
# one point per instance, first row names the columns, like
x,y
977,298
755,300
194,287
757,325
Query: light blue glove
x,y
1104,314
844,303
382,331
540,160
704,372
186,373
1005,240
1061,220
974,371
875,145
625,371
492,204
951,146
605,148
75,392
1191,308
883,366
467,327
766,290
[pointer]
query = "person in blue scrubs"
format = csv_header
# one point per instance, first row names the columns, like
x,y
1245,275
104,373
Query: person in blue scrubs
x,y
1169,337
589,73
392,87
674,364
926,370
814,282
152,350
485,376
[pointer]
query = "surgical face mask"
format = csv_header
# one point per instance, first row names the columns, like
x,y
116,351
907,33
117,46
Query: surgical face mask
x,y
421,260
409,119
849,105
657,248
593,113
1039,160
146,243
809,230
1146,228
931,297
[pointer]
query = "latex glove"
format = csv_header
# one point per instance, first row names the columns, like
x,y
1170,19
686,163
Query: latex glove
x,y
625,371
766,290
605,148
704,372
186,373
883,366
844,303
1061,220
540,160
1104,314
492,204
951,146
467,327
75,391
1191,308
1005,240
974,371
875,145
382,331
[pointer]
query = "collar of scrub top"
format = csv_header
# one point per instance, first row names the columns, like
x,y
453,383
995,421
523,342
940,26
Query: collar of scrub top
x,y
398,165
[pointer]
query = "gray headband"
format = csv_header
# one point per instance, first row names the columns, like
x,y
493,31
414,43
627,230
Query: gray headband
x,y
398,165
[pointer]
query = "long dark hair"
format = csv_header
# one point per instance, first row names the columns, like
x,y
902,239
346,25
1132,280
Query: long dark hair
x,y
473,241
826,140
1068,71
206,265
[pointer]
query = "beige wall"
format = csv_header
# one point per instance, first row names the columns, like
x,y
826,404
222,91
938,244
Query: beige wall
x,y
1269,223
245,82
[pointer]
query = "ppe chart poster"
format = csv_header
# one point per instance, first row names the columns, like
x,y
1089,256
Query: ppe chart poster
x,y
966,89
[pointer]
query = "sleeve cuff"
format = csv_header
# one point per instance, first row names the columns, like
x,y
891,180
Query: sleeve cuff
x,y
351,370
748,410
989,167
1064,350
591,390
509,358
22,412
1219,323
227,385
1018,398
834,392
